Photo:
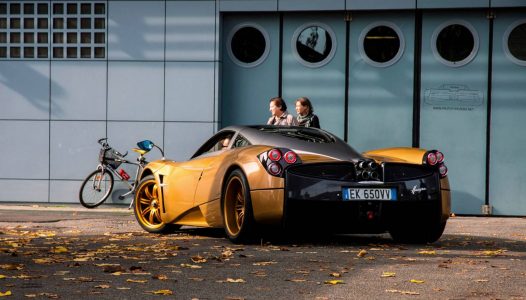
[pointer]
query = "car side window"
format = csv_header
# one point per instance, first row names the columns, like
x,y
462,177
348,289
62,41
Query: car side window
x,y
217,143
240,141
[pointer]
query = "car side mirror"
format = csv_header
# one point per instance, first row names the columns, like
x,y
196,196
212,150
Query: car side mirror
x,y
145,145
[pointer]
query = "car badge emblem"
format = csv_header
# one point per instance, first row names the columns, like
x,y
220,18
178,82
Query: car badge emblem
x,y
417,190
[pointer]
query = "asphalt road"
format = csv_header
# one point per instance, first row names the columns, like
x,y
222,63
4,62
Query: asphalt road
x,y
67,252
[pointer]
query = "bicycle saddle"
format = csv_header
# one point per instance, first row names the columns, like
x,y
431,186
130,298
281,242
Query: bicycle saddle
x,y
140,151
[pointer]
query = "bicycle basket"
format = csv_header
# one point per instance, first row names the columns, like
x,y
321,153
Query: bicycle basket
x,y
108,156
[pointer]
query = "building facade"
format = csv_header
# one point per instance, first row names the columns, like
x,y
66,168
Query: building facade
x,y
440,74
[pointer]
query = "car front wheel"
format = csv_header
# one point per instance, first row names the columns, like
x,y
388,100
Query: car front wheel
x,y
147,207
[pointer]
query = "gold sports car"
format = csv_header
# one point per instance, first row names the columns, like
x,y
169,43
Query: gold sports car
x,y
247,177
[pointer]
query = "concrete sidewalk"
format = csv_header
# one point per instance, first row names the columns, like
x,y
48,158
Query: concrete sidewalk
x,y
53,212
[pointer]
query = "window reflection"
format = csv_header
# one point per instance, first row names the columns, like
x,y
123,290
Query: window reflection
x,y
314,44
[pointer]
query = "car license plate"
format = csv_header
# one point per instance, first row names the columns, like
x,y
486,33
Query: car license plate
x,y
369,194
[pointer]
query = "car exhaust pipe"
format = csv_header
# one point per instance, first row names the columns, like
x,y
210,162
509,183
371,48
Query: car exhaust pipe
x,y
374,175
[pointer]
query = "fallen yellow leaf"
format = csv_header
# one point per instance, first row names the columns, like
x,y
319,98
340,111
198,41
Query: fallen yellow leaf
x,y
336,275
493,252
43,260
163,292
8,293
3,276
388,274
427,252
239,280
362,253
416,281
403,292
334,282
191,266
198,259
136,281
12,267
102,286
59,249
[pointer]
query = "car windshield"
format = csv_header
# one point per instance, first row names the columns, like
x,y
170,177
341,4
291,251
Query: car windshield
x,y
304,134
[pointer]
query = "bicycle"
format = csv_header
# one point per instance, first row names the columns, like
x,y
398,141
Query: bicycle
x,y
97,187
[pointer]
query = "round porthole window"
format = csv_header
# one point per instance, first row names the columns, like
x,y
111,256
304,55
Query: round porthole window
x,y
381,44
314,44
455,43
515,42
248,45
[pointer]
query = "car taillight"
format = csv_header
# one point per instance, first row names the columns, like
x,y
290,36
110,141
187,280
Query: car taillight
x,y
431,158
440,156
442,169
275,162
435,159
274,155
274,168
290,157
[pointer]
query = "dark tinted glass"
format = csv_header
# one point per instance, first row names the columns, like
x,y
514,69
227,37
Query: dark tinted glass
x,y
248,44
381,44
314,44
455,43
517,42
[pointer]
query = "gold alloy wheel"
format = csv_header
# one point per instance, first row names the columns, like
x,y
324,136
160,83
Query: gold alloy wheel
x,y
147,207
234,205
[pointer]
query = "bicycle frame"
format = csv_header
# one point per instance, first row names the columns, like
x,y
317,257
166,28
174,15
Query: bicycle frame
x,y
131,186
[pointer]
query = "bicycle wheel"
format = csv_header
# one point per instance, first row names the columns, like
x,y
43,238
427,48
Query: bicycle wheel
x,y
96,188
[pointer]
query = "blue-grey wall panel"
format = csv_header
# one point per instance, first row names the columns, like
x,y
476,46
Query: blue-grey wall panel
x,y
379,4
248,5
381,96
323,85
25,154
136,30
124,136
75,97
508,3
314,5
190,30
23,190
135,91
454,110
178,145
508,108
451,3
74,149
64,191
24,89
245,91
189,91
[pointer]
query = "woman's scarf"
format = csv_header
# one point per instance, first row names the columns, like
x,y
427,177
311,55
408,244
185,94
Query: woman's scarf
x,y
305,120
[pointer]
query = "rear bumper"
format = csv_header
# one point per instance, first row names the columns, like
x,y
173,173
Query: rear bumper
x,y
319,202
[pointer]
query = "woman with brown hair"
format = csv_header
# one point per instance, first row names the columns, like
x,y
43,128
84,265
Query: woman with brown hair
x,y
306,116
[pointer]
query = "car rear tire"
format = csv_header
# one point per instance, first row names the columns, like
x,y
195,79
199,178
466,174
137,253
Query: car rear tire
x,y
236,206
147,207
